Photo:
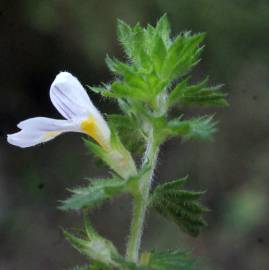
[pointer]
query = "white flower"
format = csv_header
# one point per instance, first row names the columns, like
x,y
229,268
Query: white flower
x,y
72,101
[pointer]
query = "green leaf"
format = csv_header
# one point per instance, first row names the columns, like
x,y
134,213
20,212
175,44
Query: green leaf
x,y
100,190
100,250
199,128
125,34
196,128
119,67
158,53
130,88
164,260
97,248
182,55
97,192
163,29
199,94
155,61
168,260
134,44
181,206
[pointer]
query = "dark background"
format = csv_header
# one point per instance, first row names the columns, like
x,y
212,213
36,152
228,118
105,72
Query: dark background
x,y
40,38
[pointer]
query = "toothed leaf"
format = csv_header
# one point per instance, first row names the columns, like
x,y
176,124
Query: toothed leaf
x,y
97,248
198,94
196,128
182,55
168,260
181,206
98,191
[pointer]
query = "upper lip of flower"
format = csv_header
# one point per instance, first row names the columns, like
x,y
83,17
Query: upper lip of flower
x,y
73,103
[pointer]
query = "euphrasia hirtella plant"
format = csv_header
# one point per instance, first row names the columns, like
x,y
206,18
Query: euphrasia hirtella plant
x,y
150,84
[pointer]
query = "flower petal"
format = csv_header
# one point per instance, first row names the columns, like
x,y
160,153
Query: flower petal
x,y
40,129
25,138
69,97
47,124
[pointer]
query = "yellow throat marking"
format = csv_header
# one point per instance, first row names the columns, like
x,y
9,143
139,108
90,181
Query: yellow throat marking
x,y
90,127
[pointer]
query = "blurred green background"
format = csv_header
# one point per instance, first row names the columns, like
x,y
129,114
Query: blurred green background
x,y
40,38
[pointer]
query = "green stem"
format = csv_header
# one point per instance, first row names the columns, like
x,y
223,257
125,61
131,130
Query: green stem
x,y
141,202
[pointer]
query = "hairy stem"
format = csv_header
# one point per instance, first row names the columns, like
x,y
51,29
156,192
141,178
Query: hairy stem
x,y
141,202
